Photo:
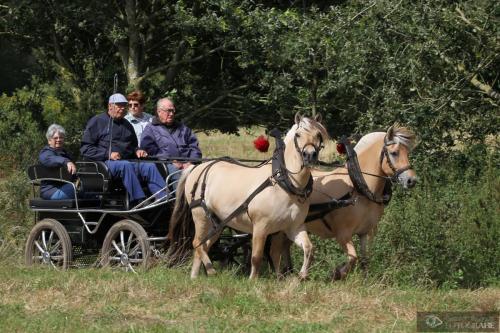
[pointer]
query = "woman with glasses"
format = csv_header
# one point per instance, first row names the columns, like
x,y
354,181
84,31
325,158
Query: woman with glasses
x,y
54,155
136,115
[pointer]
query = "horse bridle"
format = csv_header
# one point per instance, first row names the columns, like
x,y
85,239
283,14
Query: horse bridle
x,y
385,153
317,149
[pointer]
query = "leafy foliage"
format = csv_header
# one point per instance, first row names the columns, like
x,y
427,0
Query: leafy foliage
x,y
446,231
432,65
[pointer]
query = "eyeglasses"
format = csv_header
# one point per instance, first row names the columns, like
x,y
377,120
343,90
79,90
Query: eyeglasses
x,y
133,105
58,138
167,110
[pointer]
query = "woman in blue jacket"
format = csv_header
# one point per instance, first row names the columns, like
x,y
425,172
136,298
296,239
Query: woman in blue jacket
x,y
54,155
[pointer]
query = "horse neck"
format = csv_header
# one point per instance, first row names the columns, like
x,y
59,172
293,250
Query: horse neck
x,y
294,164
369,162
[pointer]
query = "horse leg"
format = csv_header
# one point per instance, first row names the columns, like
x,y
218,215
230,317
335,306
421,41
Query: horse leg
x,y
287,258
195,269
276,252
201,250
209,267
201,256
342,270
363,252
301,238
258,244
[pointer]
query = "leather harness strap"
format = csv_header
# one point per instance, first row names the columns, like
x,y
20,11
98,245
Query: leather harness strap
x,y
319,210
280,172
358,180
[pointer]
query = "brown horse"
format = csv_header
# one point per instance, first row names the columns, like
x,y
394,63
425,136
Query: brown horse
x,y
260,200
382,157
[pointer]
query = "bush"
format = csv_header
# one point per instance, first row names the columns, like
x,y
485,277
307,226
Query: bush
x,y
20,126
15,217
444,232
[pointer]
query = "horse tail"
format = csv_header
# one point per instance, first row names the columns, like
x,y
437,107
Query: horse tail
x,y
181,226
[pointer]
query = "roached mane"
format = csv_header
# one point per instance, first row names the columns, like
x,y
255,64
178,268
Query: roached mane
x,y
404,136
308,124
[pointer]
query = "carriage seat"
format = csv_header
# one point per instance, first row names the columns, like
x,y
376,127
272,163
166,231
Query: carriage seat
x,y
95,176
38,173
96,186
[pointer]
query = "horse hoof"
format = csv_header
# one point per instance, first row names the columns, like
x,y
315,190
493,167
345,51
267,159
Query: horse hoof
x,y
337,275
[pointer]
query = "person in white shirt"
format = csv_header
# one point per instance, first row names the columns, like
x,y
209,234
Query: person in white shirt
x,y
136,115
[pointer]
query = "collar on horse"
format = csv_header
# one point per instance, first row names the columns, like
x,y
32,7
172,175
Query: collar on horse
x,y
356,175
281,174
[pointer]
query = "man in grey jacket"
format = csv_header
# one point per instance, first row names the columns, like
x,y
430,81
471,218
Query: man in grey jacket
x,y
169,139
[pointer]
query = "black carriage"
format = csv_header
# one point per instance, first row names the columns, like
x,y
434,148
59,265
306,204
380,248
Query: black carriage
x,y
99,225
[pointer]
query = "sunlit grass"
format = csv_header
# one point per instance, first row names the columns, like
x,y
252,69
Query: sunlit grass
x,y
216,144
162,299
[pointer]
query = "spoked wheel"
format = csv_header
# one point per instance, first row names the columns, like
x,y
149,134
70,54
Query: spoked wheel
x,y
49,245
126,246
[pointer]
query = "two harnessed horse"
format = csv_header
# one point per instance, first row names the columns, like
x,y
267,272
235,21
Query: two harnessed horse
x,y
378,160
259,200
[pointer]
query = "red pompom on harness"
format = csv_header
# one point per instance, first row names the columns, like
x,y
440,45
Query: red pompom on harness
x,y
341,148
261,144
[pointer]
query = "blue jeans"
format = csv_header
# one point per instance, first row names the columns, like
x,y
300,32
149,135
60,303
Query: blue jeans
x,y
175,178
132,173
66,191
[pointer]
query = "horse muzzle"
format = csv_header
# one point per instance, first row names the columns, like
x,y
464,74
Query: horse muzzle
x,y
310,157
406,180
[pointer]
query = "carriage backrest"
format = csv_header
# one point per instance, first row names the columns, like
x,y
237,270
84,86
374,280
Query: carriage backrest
x,y
94,176
36,172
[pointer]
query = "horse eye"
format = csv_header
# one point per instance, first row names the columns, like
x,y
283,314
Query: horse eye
x,y
394,153
297,135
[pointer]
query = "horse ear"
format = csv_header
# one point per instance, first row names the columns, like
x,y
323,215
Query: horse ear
x,y
318,117
298,118
390,133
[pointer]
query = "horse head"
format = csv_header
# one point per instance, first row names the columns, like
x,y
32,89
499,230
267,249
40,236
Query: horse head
x,y
394,161
308,137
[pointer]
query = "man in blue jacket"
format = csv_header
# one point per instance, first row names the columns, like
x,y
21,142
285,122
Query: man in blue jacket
x,y
167,138
110,138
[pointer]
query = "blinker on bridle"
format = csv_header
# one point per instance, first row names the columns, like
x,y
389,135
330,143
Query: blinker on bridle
x,y
385,153
300,151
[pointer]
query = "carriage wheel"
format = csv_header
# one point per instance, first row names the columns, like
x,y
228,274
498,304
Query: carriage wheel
x,y
49,245
126,246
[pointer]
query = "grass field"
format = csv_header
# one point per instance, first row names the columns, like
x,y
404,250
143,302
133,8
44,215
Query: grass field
x,y
166,300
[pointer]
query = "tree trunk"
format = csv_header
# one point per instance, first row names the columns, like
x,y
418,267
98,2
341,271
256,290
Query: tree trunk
x,y
133,63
